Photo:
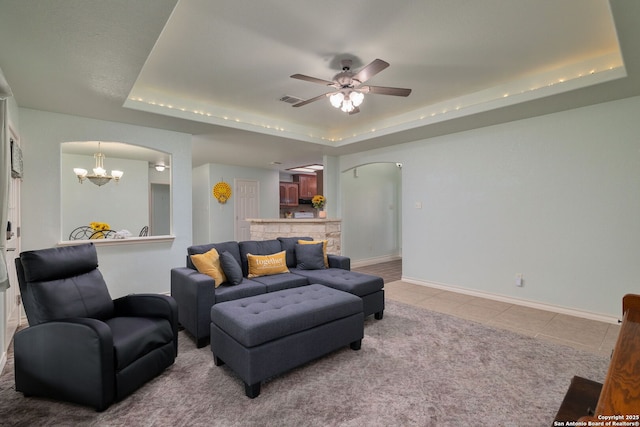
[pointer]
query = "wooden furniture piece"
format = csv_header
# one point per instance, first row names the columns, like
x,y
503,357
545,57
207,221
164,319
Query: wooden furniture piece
x,y
620,395
580,401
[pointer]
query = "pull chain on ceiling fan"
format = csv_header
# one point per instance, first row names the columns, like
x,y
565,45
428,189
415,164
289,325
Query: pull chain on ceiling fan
x,y
350,91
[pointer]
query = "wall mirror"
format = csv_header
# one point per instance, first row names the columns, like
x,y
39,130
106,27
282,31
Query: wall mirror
x,y
137,205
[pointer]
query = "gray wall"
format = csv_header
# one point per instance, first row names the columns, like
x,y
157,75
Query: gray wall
x,y
214,222
553,197
371,229
129,268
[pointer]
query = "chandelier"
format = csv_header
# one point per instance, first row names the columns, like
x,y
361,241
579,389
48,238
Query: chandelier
x,y
347,100
99,176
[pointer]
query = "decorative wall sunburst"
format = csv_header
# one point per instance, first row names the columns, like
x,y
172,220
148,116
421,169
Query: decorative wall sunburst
x,y
222,192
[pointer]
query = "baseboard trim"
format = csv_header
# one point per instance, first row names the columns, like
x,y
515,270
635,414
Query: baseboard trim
x,y
516,301
372,261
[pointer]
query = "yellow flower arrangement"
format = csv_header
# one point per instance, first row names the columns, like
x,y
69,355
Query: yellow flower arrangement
x,y
318,201
99,226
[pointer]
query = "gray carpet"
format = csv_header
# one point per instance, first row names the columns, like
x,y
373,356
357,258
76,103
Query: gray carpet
x,y
415,368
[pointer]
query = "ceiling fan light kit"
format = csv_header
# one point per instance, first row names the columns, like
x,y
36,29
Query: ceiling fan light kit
x,y
350,92
347,101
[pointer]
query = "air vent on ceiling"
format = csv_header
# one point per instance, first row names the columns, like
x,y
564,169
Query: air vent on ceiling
x,y
290,99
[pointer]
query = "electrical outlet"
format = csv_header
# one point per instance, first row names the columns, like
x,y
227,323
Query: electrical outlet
x,y
519,280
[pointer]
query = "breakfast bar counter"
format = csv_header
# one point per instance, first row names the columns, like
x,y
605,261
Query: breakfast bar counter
x,y
328,229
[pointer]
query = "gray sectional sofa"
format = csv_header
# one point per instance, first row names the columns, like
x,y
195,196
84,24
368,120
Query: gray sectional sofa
x,y
195,292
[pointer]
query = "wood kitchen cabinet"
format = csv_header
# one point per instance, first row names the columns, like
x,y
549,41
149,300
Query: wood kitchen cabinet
x,y
289,194
308,185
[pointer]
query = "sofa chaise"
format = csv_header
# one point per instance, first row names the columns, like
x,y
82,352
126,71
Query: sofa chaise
x,y
195,292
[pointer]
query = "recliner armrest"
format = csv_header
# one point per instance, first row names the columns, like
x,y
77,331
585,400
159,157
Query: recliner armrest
x,y
339,261
149,305
75,354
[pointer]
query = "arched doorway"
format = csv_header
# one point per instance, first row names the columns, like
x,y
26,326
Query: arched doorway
x,y
372,212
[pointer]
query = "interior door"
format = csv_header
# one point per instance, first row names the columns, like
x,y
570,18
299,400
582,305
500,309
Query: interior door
x,y
247,205
160,221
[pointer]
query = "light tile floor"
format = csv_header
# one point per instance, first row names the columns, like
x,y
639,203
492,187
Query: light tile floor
x,y
583,334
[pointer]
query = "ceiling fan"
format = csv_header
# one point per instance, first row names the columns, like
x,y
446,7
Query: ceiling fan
x,y
349,89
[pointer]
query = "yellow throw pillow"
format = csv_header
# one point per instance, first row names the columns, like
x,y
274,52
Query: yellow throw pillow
x,y
324,248
209,264
265,265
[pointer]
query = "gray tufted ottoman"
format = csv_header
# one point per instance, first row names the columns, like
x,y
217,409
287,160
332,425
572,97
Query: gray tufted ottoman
x,y
265,335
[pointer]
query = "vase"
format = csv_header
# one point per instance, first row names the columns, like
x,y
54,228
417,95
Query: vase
x,y
322,213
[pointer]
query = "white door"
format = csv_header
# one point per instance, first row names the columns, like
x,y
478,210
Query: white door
x,y
247,205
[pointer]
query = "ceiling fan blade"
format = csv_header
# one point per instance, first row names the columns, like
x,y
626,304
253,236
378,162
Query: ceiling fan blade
x,y
370,70
308,101
381,90
354,111
313,79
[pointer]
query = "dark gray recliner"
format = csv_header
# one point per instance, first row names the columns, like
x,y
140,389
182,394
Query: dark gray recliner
x,y
81,346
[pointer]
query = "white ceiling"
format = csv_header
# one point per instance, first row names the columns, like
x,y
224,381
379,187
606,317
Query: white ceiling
x,y
217,69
